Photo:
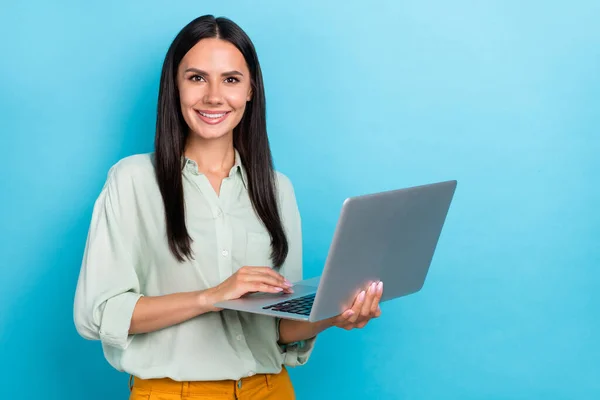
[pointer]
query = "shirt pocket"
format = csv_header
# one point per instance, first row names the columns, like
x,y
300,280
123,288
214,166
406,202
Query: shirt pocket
x,y
258,250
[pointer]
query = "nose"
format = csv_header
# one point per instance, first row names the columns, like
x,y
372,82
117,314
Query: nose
x,y
213,95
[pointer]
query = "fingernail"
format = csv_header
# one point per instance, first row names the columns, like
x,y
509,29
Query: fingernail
x,y
279,289
372,287
380,287
349,313
361,296
288,283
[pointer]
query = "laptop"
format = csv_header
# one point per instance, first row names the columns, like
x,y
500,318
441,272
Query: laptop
x,y
388,236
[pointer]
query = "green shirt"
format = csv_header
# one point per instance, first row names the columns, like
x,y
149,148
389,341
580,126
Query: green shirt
x,y
127,256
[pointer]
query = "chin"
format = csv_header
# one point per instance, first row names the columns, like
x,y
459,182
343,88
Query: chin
x,y
210,133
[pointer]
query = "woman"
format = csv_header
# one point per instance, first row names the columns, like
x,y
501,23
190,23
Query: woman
x,y
205,218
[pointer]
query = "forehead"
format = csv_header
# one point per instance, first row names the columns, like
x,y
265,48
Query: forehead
x,y
214,55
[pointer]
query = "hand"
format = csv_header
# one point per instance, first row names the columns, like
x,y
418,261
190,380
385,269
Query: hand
x,y
249,280
365,307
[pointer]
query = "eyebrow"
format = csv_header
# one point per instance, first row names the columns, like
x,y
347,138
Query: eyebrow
x,y
200,72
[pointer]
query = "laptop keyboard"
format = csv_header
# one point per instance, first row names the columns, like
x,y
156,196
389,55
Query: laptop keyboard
x,y
301,305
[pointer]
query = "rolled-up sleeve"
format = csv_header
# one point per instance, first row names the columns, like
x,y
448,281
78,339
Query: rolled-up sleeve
x,y
108,286
296,353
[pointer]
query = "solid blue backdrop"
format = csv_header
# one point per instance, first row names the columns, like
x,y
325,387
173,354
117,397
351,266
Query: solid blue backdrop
x,y
503,96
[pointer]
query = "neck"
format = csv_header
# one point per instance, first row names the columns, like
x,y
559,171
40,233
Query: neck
x,y
214,156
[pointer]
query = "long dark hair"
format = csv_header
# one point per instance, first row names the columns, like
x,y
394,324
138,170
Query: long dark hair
x,y
249,138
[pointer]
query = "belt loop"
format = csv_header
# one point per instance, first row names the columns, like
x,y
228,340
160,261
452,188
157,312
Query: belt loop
x,y
237,388
269,382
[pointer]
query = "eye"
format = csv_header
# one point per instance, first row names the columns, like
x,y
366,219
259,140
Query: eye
x,y
231,79
196,78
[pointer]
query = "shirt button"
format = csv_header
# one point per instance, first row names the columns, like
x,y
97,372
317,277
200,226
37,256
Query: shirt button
x,y
225,253
219,213
239,337
250,373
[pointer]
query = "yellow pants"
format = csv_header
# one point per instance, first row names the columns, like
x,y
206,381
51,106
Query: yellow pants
x,y
257,387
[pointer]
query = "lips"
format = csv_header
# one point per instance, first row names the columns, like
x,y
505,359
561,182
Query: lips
x,y
212,117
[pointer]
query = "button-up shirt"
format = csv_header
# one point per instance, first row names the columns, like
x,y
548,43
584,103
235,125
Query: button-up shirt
x,y
127,256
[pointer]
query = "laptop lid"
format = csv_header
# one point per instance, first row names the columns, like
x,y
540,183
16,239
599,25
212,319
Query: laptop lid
x,y
389,236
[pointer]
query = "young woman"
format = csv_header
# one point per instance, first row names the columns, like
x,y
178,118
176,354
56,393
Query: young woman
x,y
204,218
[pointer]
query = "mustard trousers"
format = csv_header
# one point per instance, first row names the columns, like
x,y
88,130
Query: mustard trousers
x,y
257,387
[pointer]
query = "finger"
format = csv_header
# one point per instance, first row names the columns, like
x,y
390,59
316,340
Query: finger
x,y
360,299
263,287
264,279
345,325
342,319
348,326
269,280
379,293
365,310
267,271
345,317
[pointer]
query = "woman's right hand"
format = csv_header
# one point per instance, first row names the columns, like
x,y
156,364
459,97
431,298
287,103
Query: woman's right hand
x,y
249,280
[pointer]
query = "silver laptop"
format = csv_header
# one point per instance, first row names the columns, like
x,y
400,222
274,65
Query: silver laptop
x,y
389,236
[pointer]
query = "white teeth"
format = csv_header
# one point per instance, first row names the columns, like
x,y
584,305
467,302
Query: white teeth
x,y
212,115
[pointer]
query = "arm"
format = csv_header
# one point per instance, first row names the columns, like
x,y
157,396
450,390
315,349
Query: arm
x,y
109,304
108,287
295,331
154,313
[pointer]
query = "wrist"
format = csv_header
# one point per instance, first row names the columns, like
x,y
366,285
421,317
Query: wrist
x,y
326,323
206,300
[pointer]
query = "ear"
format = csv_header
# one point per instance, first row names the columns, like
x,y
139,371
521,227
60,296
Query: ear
x,y
249,97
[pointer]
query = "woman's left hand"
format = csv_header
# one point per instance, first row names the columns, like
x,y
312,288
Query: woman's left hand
x,y
365,307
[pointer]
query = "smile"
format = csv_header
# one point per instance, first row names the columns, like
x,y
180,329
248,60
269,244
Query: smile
x,y
212,118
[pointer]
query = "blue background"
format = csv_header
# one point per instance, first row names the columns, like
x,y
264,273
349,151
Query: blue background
x,y
503,96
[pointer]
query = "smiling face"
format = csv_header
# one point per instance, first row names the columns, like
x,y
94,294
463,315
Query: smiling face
x,y
214,86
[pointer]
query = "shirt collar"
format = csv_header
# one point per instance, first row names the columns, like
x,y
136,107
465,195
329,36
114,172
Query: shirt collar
x,y
237,166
